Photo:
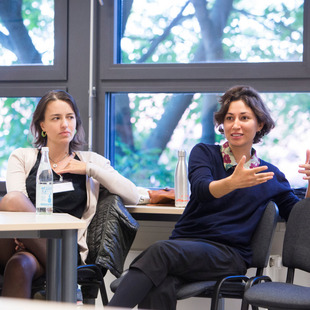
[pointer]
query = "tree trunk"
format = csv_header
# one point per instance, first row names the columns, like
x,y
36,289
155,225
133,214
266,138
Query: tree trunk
x,y
18,41
123,126
212,25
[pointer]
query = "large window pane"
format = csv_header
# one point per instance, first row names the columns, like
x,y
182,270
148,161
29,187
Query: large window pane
x,y
194,31
26,32
149,128
15,118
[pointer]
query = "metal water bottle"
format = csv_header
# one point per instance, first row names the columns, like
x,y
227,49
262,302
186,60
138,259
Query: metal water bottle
x,y
181,187
44,185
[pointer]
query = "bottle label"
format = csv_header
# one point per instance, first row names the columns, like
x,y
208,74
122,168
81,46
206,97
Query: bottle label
x,y
45,195
182,201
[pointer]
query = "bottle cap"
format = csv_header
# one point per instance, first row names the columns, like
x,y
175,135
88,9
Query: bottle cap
x,y
181,153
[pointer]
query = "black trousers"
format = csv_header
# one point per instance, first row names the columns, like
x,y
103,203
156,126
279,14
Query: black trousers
x,y
168,263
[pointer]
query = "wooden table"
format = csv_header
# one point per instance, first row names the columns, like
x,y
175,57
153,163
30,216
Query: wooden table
x,y
60,230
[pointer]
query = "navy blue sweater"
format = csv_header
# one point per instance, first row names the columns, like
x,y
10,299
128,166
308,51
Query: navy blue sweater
x,y
231,219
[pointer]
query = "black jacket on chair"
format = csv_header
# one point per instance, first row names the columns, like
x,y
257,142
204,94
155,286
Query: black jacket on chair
x,y
110,233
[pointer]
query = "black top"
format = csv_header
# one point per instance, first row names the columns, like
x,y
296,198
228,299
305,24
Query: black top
x,y
72,202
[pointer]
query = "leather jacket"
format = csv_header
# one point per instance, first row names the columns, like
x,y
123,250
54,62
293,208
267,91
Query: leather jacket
x,y
110,233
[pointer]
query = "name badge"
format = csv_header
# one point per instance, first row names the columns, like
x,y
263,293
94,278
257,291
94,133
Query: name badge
x,y
61,187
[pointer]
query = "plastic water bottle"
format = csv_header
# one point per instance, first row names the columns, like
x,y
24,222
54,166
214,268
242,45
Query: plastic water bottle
x,y
44,185
181,186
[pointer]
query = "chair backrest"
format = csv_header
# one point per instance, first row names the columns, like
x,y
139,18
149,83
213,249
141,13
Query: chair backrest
x,y
262,238
296,246
110,233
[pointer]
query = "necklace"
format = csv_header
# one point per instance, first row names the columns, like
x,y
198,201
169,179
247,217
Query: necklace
x,y
55,164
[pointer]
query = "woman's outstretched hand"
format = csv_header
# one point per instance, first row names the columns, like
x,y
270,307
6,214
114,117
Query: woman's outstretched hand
x,y
240,178
243,177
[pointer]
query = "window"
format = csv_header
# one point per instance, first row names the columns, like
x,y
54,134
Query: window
x,y
162,39
15,118
27,33
160,96
196,31
149,128
33,40
23,83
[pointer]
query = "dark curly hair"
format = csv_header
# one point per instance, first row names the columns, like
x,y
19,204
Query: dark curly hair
x,y
78,140
253,100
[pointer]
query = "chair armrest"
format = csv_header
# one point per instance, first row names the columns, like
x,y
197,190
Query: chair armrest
x,y
219,284
255,280
220,289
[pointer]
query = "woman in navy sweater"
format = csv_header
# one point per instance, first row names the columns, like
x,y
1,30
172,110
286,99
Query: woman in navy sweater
x,y
230,188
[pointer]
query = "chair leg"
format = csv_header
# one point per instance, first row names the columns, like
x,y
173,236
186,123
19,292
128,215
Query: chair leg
x,y
217,303
221,304
89,293
245,305
103,293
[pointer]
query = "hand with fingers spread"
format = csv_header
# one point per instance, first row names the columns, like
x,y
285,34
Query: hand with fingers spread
x,y
240,178
243,177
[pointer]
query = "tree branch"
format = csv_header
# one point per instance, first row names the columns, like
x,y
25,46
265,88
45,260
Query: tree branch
x,y
159,39
5,42
212,24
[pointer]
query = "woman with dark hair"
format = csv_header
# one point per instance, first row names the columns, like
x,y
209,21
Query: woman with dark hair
x,y
56,124
230,188
40,139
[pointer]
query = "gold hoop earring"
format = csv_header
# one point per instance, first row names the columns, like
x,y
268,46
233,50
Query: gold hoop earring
x,y
43,134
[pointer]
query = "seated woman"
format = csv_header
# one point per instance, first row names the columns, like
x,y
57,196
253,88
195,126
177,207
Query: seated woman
x,y
230,188
56,124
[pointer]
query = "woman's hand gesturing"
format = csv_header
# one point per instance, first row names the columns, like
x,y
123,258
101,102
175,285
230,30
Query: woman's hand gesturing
x,y
240,178
243,177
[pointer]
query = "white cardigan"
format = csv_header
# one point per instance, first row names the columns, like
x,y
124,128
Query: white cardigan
x,y
98,171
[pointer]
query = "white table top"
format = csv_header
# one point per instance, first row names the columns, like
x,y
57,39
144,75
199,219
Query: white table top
x,y
31,304
22,221
158,209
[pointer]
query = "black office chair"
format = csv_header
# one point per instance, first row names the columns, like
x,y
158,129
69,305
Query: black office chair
x,y
233,286
121,234
91,280
262,292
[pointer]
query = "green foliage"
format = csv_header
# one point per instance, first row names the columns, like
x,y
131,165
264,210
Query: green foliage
x,y
274,34
155,168
31,14
14,126
139,167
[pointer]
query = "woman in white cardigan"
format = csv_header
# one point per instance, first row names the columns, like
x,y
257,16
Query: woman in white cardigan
x,y
56,124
